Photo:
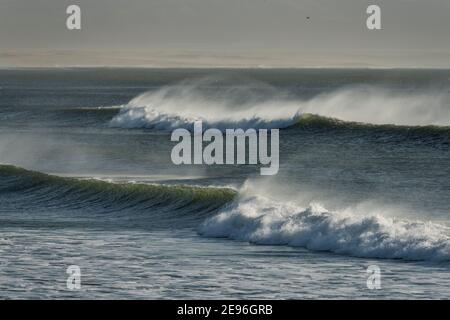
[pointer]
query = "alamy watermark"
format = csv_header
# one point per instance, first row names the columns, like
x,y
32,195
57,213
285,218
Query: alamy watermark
x,y
374,279
241,147
373,22
73,21
73,281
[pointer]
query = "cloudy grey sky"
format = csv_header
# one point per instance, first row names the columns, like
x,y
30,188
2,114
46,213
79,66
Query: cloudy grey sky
x,y
272,33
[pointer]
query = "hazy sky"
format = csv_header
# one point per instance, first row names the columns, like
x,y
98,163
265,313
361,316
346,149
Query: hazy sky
x,y
225,33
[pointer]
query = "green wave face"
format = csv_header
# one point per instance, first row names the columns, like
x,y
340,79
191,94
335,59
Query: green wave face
x,y
314,120
159,202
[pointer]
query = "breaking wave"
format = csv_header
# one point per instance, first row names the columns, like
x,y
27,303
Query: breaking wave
x,y
262,221
179,106
221,212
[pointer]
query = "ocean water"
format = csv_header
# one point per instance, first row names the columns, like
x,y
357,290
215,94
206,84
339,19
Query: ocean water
x,y
86,179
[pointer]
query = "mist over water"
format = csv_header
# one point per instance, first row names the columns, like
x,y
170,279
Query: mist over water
x,y
363,179
256,105
356,231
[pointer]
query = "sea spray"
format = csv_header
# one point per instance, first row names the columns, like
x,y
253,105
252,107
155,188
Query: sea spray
x,y
180,106
259,220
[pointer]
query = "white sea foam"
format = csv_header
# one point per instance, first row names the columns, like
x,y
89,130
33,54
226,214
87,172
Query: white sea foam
x,y
263,221
179,106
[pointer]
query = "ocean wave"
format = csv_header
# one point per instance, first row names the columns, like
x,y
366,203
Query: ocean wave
x,y
101,196
221,212
175,107
180,106
262,221
317,121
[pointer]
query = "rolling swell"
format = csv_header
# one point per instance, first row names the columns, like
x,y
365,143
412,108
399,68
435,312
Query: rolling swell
x,y
96,117
214,212
430,135
152,203
314,120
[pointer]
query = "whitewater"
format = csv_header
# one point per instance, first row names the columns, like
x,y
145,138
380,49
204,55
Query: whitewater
x,y
180,106
246,217
86,179
261,221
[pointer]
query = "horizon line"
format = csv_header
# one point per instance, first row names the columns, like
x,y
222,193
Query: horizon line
x,y
2,67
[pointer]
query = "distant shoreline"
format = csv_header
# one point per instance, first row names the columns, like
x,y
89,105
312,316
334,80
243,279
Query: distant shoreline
x,y
214,68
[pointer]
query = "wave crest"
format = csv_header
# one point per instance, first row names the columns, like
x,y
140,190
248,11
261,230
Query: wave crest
x,y
262,221
101,196
180,106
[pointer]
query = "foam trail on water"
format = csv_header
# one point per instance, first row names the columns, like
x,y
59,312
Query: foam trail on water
x,y
179,106
260,220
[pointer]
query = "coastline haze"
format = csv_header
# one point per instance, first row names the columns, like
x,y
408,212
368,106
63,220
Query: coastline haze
x,y
199,33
